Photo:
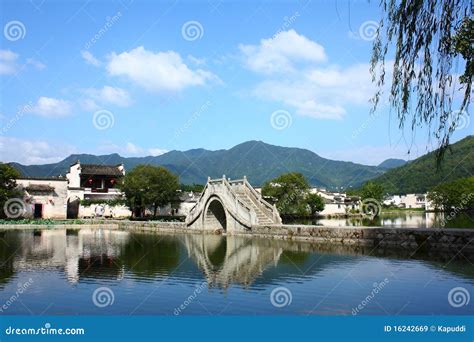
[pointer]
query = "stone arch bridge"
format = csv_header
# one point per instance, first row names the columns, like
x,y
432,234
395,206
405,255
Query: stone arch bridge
x,y
231,206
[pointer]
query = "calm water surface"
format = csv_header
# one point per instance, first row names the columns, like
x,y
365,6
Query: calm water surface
x,y
147,273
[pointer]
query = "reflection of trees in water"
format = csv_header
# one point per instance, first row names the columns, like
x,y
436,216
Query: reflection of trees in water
x,y
297,258
100,267
223,260
150,254
9,244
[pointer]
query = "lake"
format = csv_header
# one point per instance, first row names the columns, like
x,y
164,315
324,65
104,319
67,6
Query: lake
x,y
399,219
115,272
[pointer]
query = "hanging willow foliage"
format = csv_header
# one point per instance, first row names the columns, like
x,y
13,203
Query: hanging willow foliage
x,y
430,39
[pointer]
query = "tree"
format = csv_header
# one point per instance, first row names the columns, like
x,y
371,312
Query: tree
x,y
429,38
372,190
149,186
315,203
457,194
8,189
289,191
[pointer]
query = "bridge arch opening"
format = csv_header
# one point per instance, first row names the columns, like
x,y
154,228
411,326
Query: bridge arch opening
x,y
215,217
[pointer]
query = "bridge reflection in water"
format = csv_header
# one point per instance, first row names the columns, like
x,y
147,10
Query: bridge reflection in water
x,y
231,259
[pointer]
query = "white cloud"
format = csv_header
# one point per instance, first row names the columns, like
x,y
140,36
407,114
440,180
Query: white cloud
x,y
322,93
51,107
8,62
372,155
32,151
131,148
281,53
157,72
197,61
156,151
89,58
311,89
108,95
35,63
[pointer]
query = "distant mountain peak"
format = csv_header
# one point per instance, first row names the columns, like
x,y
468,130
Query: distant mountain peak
x,y
391,163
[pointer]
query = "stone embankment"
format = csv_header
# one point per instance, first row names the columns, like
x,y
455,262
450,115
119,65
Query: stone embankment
x,y
428,239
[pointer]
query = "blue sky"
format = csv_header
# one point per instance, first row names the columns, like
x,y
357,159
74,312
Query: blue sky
x,y
145,77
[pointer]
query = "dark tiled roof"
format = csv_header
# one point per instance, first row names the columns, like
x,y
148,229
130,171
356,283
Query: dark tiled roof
x,y
39,188
60,178
100,170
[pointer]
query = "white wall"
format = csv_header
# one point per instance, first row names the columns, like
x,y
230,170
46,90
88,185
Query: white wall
x,y
54,203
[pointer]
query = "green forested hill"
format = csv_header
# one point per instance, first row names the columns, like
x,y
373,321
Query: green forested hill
x,y
255,159
261,162
422,174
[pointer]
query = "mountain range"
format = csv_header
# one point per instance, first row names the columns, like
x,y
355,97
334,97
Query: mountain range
x,y
261,162
421,174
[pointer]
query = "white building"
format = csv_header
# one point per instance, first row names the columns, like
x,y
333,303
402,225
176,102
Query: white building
x,y
44,197
60,198
415,201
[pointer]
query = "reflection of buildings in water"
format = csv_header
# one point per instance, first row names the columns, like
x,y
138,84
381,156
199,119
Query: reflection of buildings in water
x,y
76,251
231,259
395,220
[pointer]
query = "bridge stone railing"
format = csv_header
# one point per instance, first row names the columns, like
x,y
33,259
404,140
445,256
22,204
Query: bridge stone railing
x,y
228,193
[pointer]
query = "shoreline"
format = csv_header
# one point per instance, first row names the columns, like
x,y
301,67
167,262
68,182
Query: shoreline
x,y
429,239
